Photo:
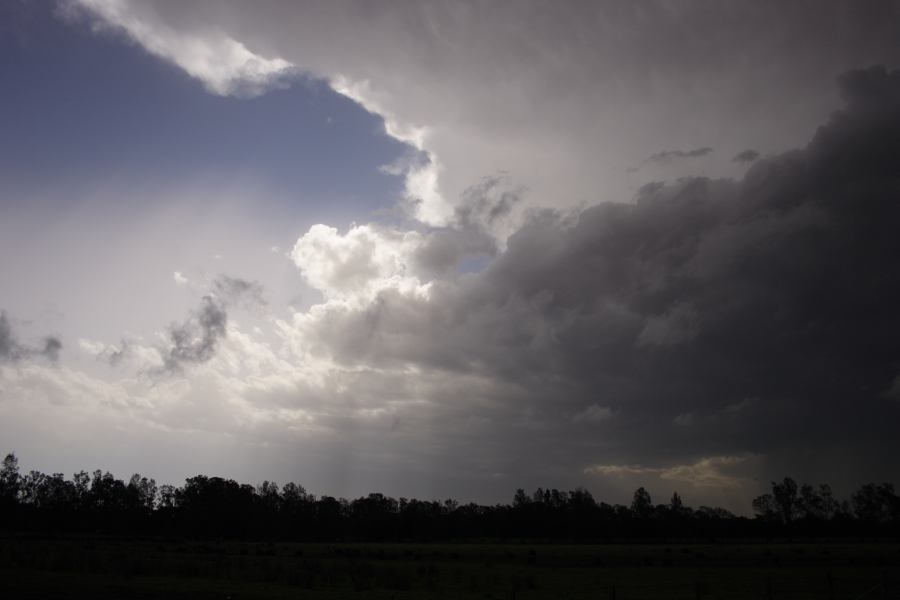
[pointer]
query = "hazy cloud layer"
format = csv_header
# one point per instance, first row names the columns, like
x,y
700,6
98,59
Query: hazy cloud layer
x,y
564,100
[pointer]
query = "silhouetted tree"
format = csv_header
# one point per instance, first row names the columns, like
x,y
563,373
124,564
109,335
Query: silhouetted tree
x,y
213,506
142,492
876,503
785,496
641,503
9,481
521,499
167,497
765,507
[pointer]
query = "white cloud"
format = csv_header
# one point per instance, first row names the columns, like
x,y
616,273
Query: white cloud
x,y
223,64
353,267
708,472
422,177
619,470
180,279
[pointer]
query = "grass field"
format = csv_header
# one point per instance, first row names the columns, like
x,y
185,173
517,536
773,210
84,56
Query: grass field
x,y
72,568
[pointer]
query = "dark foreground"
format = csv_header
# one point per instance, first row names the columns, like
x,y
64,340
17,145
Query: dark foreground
x,y
108,568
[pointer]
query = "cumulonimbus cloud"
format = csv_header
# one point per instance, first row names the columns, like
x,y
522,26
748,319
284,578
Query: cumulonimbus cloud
x,y
597,333
699,295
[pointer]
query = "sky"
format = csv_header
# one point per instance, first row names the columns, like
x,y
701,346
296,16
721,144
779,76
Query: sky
x,y
453,249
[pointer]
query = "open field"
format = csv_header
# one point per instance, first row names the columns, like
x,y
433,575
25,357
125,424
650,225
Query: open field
x,y
97,568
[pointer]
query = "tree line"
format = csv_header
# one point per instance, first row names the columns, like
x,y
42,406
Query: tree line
x,y
205,506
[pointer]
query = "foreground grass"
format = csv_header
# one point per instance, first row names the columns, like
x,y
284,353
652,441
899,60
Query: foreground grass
x,y
97,568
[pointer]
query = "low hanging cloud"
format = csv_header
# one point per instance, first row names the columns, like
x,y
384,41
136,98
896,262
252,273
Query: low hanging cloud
x,y
669,156
195,340
192,341
232,290
708,472
746,156
13,351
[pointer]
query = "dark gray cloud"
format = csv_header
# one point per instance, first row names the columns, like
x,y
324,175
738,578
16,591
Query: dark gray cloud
x,y
668,156
483,208
9,347
746,156
232,290
11,350
651,188
195,340
708,318
486,202
51,348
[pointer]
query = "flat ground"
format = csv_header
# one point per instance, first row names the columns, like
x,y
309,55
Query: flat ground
x,y
97,568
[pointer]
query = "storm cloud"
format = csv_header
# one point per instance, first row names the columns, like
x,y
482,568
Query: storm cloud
x,y
510,305
708,319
